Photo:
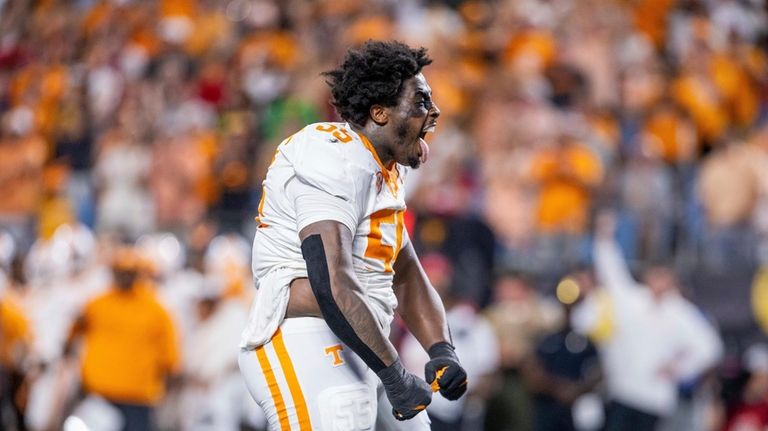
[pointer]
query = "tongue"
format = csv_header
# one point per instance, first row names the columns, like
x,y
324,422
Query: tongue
x,y
424,150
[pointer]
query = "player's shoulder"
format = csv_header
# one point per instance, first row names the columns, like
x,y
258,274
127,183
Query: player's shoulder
x,y
328,155
335,142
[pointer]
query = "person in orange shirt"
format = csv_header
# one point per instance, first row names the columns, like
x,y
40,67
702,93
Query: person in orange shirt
x,y
15,338
566,175
129,344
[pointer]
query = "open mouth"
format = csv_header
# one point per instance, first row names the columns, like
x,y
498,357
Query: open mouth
x,y
423,146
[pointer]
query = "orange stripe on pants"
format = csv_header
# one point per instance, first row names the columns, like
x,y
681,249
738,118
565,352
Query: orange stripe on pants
x,y
293,382
274,389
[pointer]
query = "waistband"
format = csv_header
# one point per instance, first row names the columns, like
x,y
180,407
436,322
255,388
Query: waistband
x,y
303,324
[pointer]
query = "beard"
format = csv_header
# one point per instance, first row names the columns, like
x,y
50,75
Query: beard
x,y
402,135
402,132
414,162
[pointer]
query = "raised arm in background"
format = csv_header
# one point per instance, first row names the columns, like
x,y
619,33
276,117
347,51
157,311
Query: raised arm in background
x,y
610,265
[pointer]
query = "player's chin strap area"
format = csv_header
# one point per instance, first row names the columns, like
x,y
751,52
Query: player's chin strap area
x,y
320,281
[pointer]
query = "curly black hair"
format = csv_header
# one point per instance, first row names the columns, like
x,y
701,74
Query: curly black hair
x,y
373,75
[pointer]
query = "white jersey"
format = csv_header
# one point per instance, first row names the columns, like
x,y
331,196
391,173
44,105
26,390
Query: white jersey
x,y
326,171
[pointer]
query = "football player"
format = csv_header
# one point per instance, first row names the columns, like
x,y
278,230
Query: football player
x,y
332,260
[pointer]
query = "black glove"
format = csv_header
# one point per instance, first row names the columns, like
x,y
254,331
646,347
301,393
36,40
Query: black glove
x,y
444,372
407,393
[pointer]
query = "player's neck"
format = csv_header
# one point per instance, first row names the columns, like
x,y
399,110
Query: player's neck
x,y
380,142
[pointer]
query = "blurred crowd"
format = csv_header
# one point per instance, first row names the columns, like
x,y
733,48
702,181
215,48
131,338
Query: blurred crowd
x,y
594,212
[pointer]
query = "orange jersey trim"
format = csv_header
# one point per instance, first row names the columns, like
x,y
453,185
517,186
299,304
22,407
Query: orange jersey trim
x,y
264,185
390,176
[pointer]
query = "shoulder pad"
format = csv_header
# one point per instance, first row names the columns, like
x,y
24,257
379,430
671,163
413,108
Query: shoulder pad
x,y
319,160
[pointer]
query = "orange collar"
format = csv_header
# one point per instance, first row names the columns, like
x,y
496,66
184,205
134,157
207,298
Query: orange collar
x,y
390,175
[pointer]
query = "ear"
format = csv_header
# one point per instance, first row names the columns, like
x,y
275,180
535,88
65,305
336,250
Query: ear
x,y
379,114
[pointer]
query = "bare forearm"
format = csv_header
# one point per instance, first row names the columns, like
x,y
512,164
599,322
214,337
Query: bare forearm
x,y
423,313
352,304
419,304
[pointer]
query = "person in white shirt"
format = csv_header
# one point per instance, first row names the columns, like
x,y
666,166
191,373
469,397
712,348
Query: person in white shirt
x,y
650,337
332,260
213,391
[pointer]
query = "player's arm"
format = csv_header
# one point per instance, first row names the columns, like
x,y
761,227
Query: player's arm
x,y
422,310
418,303
327,249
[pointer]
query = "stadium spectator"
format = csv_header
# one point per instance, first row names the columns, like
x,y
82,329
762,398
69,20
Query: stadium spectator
x,y
59,276
647,193
15,343
728,184
213,393
750,410
564,365
566,174
120,174
22,156
518,316
129,345
725,240
651,339
670,134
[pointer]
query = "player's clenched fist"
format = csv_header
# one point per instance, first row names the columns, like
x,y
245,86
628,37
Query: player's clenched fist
x,y
407,393
444,372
